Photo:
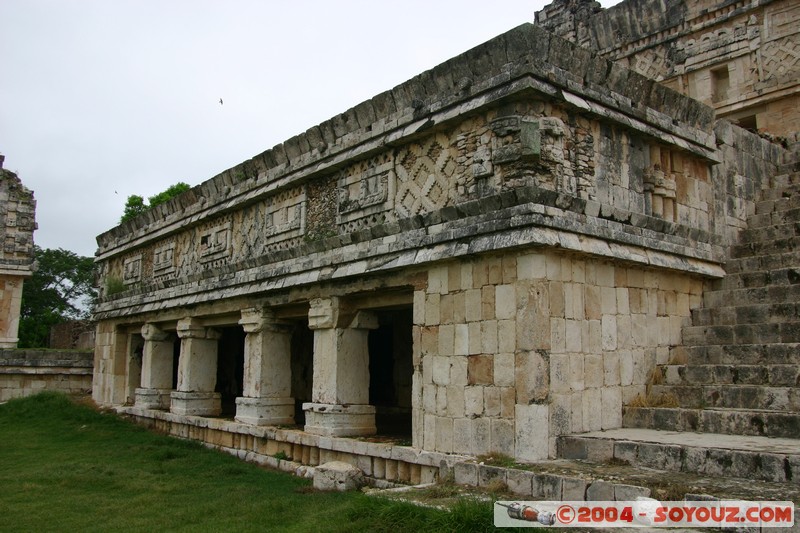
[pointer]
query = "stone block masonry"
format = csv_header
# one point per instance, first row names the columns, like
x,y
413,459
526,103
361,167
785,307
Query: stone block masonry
x,y
491,255
519,346
27,372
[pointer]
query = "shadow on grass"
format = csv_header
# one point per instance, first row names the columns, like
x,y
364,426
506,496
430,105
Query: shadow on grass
x,y
66,466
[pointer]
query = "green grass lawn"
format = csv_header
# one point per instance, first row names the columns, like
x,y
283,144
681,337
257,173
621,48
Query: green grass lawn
x,y
67,467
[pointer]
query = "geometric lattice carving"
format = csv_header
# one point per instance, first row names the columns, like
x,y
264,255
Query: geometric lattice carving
x,y
424,176
780,58
652,63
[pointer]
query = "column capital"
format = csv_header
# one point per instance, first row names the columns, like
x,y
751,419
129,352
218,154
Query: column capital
x,y
192,328
327,313
151,332
324,313
258,319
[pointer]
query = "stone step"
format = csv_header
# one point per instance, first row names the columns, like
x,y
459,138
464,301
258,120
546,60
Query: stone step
x,y
786,191
787,175
769,313
736,354
609,480
769,232
786,202
760,397
771,219
777,294
753,422
767,459
781,375
761,278
768,333
776,246
768,262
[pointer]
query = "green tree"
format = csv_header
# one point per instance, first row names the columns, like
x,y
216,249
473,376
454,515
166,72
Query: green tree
x,y
60,289
135,205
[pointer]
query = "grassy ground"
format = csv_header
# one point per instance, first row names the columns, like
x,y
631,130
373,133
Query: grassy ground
x,y
67,467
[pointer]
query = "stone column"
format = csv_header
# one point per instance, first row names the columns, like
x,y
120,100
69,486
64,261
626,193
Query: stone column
x,y
156,384
267,396
197,371
340,391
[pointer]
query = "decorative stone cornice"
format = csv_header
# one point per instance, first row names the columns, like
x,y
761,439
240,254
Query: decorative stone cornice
x,y
466,82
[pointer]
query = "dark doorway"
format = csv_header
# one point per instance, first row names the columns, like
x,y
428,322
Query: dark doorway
x,y
230,368
302,368
176,355
134,372
390,371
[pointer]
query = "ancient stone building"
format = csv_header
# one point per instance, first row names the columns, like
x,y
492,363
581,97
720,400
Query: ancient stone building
x,y
740,57
17,209
496,256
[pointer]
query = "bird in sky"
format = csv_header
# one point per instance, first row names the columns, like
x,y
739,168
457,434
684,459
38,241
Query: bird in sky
x,y
220,101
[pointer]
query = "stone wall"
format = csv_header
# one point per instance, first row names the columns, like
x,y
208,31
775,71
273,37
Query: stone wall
x,y
516,346
742,58
749,163
26,372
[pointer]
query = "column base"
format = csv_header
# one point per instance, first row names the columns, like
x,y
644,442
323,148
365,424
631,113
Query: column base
x,y
153,398
265,411
7,343
196,403
333,420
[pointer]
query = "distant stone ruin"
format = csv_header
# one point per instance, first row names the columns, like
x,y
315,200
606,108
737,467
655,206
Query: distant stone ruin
x,y
17,222
507,254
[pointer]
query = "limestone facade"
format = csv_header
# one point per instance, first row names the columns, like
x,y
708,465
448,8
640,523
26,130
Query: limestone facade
x,y
17,222
490,255
742,58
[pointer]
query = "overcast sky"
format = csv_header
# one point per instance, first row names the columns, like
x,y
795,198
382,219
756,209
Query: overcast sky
x,y
101,99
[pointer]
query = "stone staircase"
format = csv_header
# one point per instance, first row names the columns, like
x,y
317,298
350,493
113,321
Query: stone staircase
x,y
730,397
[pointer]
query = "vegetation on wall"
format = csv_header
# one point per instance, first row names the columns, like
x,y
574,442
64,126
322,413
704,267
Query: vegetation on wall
x,y
60,289
135,205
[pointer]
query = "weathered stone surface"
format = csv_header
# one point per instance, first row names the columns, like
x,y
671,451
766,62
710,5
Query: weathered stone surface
x,y
195,403
339,476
